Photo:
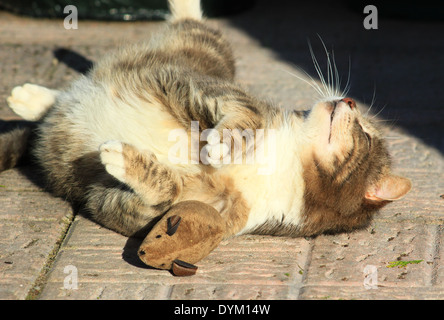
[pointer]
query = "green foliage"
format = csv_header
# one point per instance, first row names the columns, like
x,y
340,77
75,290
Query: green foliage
x,y
402,264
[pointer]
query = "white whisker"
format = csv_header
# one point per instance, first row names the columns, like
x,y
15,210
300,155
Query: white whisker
x,y
347,85
327,87
372,102
384,120
329,68
337,78
331,85
318,69
330,81
312,84
382,109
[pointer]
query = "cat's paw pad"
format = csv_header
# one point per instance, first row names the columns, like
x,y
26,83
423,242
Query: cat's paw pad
x,y
111,155
31,101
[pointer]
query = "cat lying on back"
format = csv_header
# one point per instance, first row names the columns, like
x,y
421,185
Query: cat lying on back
x,y
105,142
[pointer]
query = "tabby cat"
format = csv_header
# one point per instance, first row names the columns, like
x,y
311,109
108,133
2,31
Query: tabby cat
x,y
106,142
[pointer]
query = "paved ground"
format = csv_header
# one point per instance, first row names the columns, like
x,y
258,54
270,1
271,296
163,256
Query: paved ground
x,y
41,239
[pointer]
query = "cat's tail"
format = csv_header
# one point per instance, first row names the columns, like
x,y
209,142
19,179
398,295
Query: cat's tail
x,y
15,138
183,9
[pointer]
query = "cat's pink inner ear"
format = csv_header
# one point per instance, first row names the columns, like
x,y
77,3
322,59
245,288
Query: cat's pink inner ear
x,y
389,188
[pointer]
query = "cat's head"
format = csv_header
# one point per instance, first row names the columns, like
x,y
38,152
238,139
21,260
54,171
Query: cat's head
x,y
347,168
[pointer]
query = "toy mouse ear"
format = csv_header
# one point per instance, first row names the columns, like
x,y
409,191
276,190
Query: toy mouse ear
x,y
172,224
389,188
183,269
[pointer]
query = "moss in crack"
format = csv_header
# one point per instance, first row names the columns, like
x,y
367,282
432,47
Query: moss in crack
x,y
40,282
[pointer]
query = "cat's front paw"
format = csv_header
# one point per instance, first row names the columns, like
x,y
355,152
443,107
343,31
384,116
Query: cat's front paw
x,y
141,171
216,153
31,101
111,155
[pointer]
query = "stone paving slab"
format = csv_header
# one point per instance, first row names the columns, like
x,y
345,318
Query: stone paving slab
x,y
342,267
344,258
240,268
31,225
382,293
39,237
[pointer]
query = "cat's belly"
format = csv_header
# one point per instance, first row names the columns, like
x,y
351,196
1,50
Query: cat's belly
x,y
144,125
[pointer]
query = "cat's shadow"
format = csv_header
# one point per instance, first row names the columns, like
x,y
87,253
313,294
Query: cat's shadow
x,y
131,247
130,256
129,253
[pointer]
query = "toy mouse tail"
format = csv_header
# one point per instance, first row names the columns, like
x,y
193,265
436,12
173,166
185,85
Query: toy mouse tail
x,y
185,9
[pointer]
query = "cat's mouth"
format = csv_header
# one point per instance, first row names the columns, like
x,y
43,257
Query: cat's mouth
x,y
334,104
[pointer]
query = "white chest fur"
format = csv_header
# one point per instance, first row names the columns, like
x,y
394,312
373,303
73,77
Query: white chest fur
x,y
277,196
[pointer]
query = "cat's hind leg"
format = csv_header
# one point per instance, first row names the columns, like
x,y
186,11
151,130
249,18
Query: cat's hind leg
x,y
31,101
157,184
120,209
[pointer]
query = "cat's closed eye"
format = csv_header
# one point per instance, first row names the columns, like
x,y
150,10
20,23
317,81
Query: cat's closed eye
x,y
369,139
367,136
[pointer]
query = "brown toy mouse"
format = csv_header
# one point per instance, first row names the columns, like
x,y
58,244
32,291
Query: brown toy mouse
x,y
187,233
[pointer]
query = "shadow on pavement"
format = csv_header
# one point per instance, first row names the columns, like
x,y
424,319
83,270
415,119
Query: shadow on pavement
x,y
130,253
401,62
73,60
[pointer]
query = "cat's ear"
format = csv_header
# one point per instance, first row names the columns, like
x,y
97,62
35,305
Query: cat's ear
x,y
389,188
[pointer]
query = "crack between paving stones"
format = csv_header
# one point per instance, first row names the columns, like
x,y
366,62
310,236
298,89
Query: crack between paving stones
x,y
435,254
306,269
39,284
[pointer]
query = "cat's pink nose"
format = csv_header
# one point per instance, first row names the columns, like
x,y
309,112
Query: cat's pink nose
x,y
350,102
